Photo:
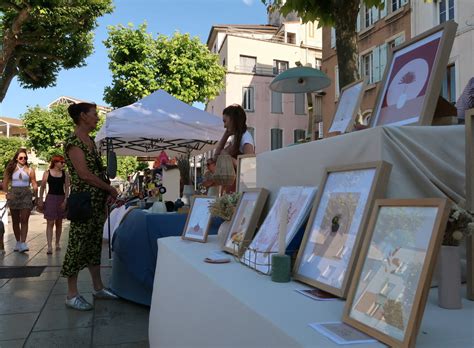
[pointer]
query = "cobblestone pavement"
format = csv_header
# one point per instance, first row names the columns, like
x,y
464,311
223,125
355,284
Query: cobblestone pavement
x,y
32,310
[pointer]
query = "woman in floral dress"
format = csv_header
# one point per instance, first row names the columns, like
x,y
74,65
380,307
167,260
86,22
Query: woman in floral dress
x,y
85,237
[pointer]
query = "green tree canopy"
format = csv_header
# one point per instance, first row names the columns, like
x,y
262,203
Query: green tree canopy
x,y
9,146
340,14
41,37
141,64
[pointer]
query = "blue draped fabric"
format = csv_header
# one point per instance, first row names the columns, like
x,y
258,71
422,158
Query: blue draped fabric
x,y
135,251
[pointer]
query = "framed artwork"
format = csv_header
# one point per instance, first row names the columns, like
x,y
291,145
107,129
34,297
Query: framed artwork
x,y
246,172
410,87
347,107
245,219
297,200
335,229
388,293
199,219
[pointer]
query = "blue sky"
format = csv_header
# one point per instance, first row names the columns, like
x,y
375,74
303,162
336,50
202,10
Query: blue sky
x,y
163,16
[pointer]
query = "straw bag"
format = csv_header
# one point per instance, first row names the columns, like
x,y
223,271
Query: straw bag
x,y
225,172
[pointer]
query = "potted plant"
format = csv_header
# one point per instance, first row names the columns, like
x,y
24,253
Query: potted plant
x,y
460,225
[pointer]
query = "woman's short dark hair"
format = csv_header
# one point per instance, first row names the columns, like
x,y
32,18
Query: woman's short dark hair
x,y
75,110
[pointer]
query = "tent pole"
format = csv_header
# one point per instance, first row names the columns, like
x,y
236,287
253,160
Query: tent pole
x,y
108,142
195,174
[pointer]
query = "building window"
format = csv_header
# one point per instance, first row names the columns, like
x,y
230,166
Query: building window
x,y
276,138
318,62
396,4
248,98
299,134
333,37
368,17
310,29
446,10
248,64
300,104
279,66
291,38
448,88
277,107
336,82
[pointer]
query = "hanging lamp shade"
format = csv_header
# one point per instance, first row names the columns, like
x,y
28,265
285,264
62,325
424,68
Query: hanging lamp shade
x,y
301,79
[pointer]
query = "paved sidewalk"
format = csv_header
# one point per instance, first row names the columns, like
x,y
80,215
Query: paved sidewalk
x,y
32,310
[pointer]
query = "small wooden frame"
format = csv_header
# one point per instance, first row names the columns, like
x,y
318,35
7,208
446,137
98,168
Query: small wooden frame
x,y
245,220
246,172
410,86
392,279
198,220
348,107
336,226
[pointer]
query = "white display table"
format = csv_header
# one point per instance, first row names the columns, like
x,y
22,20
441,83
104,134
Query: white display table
x,y
196,304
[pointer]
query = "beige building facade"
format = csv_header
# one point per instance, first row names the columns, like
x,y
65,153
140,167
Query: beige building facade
x,y
253,55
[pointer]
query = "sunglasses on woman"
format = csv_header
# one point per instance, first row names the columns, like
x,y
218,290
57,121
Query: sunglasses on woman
x,y
22,158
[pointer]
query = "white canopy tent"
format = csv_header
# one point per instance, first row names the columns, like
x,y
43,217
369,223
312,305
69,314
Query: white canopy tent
x,y
159,122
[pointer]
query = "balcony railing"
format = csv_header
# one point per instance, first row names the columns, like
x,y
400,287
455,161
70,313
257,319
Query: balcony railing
x,y
259,70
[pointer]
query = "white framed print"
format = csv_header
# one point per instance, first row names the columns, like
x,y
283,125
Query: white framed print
x,y
199,219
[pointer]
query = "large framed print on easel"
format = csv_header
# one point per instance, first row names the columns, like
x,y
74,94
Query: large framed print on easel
x,y
390,286
409,90
347,107
335,229
245,220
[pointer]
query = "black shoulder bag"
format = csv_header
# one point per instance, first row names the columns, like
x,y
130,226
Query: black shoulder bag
x,y
80,203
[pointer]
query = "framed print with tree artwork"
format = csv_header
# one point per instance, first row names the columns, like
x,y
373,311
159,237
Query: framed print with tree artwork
x,y
388,293
347,107
246,172
337,223
245,220
409,90
199,219
297,200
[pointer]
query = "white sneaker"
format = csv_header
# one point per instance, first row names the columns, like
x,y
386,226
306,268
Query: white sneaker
x,y
17,246
23,247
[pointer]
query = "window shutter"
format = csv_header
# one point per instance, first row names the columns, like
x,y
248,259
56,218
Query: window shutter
x,y
358,22
375,14
336,81
383,59
333,37
383,12
299,104
376,64
399,40
276,102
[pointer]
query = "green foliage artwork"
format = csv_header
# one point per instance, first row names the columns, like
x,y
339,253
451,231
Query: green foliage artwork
x,y
141,64
39,38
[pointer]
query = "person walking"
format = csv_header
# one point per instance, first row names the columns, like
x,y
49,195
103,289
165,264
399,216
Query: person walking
x,y
19,178
85,237
54,206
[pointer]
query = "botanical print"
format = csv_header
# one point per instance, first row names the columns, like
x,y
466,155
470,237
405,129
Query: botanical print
x,y
346,107
248,173
299,200
242,218
199,219
328,249
406,85
390,276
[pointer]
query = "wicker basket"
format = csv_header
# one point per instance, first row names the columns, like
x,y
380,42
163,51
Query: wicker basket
x,y
225,172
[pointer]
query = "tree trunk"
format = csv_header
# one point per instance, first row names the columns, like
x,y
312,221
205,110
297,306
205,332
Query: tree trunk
x,y
346,12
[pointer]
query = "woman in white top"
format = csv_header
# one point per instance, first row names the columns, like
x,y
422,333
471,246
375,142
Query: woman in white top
x,y
20,176
235,124
236,140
